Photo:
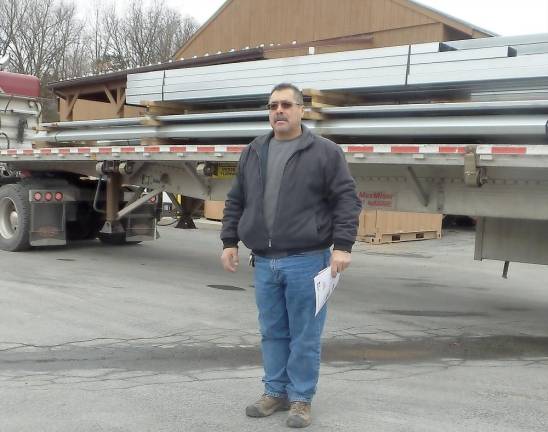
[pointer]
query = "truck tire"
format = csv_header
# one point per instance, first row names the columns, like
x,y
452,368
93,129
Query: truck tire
x,y
14,217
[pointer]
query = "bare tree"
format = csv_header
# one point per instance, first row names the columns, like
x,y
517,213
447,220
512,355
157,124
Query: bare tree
x,y
174,32
11,19
99,35
146,35
43,32
76,61
45,37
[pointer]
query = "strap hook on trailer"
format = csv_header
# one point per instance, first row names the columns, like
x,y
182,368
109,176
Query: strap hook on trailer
x,y
5,135
474,176
96,197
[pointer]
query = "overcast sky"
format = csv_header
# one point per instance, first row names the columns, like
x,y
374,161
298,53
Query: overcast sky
x,y
505,17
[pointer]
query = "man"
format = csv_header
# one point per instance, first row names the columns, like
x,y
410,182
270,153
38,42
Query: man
x,y
293,198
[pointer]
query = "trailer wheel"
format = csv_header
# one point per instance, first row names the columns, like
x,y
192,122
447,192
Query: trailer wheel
x,y
14,217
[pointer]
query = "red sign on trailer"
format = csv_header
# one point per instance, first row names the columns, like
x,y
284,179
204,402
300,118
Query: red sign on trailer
x,y
19,84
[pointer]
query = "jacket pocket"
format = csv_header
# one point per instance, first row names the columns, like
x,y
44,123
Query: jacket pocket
x,y
312,228
323,226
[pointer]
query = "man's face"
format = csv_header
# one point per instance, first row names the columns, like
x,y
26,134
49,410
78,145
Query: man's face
x,y
285,115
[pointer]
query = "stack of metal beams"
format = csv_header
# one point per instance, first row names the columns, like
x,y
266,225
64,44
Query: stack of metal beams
x,y
496,68
466,122
485,63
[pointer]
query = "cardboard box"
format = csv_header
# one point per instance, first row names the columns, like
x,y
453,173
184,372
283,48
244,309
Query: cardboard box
x,y
214,210
377,226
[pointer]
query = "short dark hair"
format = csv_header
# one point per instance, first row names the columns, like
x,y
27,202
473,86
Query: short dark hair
x,y
296,91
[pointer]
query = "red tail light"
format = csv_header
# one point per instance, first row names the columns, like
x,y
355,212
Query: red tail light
x,y
48,196
37,196
58,196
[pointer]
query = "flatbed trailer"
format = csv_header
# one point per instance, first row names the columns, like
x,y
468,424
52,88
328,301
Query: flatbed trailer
x,y
408,150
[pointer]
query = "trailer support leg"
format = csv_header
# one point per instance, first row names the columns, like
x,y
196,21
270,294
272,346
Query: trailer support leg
x,y
112,224
188,207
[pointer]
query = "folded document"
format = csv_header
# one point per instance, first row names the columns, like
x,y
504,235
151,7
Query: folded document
x,y
325,284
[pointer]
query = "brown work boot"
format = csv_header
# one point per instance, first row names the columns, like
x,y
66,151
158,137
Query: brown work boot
x,y
299,415
267,405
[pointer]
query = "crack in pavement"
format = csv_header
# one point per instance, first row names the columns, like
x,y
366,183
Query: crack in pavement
x,y
221,354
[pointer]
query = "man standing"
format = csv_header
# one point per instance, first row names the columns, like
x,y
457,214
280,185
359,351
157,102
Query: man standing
x,y
292,199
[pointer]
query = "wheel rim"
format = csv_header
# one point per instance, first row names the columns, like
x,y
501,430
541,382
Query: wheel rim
x,y
9,218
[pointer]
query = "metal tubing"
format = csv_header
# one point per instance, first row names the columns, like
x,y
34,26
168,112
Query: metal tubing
x,y
350,111
112,133
462,107
220,130
179,118
457,126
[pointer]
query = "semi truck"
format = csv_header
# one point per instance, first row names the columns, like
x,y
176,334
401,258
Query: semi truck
x,y
458,127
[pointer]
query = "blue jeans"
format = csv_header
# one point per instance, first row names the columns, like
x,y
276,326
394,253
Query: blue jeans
x,y
291,333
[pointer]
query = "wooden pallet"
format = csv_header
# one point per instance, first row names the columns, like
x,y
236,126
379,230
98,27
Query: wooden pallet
x,y
154,109
314,100
383,238
322,99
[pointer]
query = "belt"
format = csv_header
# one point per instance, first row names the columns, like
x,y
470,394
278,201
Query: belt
x,y
284,254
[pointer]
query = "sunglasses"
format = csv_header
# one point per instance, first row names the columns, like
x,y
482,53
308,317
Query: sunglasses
x,y
273,106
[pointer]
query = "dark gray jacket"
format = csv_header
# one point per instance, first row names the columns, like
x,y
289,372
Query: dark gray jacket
x,y
317,206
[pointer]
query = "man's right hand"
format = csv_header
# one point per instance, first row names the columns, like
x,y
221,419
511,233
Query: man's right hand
x,y
230,259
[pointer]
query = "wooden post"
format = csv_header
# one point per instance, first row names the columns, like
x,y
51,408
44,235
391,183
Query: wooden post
x,y
120,101
71,101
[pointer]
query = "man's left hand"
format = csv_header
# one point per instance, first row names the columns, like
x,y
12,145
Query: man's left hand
x,y
340,260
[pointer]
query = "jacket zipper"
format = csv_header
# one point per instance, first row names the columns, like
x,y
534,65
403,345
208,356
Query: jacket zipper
x,y
262,188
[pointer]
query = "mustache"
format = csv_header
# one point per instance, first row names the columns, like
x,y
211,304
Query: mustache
x,y
281,118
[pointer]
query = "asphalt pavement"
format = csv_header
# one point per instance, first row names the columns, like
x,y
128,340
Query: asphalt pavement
x,y
156,337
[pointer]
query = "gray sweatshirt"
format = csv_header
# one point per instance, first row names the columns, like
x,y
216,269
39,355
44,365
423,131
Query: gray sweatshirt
x,y
278,154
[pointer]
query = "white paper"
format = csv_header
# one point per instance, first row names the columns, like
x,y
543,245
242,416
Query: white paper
x,y
325,285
